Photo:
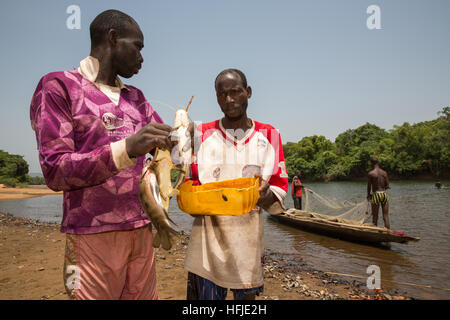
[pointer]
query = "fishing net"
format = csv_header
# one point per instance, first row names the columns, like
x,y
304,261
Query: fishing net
x,y
346,210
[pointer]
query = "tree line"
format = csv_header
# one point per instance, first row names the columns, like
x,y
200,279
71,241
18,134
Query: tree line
x,y
405,151
14,171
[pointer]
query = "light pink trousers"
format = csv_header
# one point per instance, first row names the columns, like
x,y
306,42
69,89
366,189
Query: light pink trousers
x,y
111,265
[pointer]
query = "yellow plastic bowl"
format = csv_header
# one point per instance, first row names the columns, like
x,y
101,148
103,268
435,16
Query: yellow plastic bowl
x,y
228,197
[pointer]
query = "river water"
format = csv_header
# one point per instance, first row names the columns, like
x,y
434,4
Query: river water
x,y
416,208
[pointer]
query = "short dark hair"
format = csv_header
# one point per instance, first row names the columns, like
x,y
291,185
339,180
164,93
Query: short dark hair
x,y
235,71
107,20
374,160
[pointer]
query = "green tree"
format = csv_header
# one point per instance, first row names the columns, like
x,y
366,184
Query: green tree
x,y
13,169
406,150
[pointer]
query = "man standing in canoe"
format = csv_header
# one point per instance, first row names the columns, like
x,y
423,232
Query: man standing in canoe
x,y
93,133
378,183
297,189
225,251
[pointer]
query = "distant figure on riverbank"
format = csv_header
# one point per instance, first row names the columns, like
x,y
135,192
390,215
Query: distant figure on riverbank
x,y
378,181
296,190
438,184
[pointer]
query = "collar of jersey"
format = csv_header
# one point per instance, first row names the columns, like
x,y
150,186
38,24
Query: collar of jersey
x,y
233,139
89,68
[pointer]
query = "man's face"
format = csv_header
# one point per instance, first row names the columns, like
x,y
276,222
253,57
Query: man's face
x,y
127,58
232,96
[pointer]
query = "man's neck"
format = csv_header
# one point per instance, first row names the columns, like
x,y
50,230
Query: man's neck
x,y
237,128
244,123
106,74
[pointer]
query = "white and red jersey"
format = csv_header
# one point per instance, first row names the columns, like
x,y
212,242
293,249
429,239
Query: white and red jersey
x,y
227,249
221,156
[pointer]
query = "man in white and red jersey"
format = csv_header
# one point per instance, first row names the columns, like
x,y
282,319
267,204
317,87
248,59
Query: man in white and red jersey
x,y
226,251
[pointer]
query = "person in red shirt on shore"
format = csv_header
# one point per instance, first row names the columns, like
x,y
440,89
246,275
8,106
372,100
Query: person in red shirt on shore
x,y
297,188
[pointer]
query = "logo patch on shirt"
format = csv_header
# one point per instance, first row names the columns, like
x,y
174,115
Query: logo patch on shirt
x,y
216,172
111,122
251,170
262,143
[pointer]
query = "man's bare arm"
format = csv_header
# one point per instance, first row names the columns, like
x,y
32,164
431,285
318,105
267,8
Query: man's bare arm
x,y
387,181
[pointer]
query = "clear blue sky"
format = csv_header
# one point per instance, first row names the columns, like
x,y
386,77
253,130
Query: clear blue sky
x,y
314,66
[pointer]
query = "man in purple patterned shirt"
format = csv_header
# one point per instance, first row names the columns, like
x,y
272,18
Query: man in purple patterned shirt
x,y
92,134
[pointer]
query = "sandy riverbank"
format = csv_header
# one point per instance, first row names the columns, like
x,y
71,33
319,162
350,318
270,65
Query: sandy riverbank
x,y
23,193
32,254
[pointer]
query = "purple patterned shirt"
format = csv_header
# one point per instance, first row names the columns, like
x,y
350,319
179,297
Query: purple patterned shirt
x,y
75,123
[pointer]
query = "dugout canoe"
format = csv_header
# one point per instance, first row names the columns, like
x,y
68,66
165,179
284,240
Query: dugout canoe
x,y
341,228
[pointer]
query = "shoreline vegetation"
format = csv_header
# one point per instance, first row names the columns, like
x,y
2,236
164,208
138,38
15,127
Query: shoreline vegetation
x,y
422,177
32,256
14,171
417,151
405,152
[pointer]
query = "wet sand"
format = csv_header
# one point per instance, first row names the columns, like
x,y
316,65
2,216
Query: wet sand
x,y
32,256
23,193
